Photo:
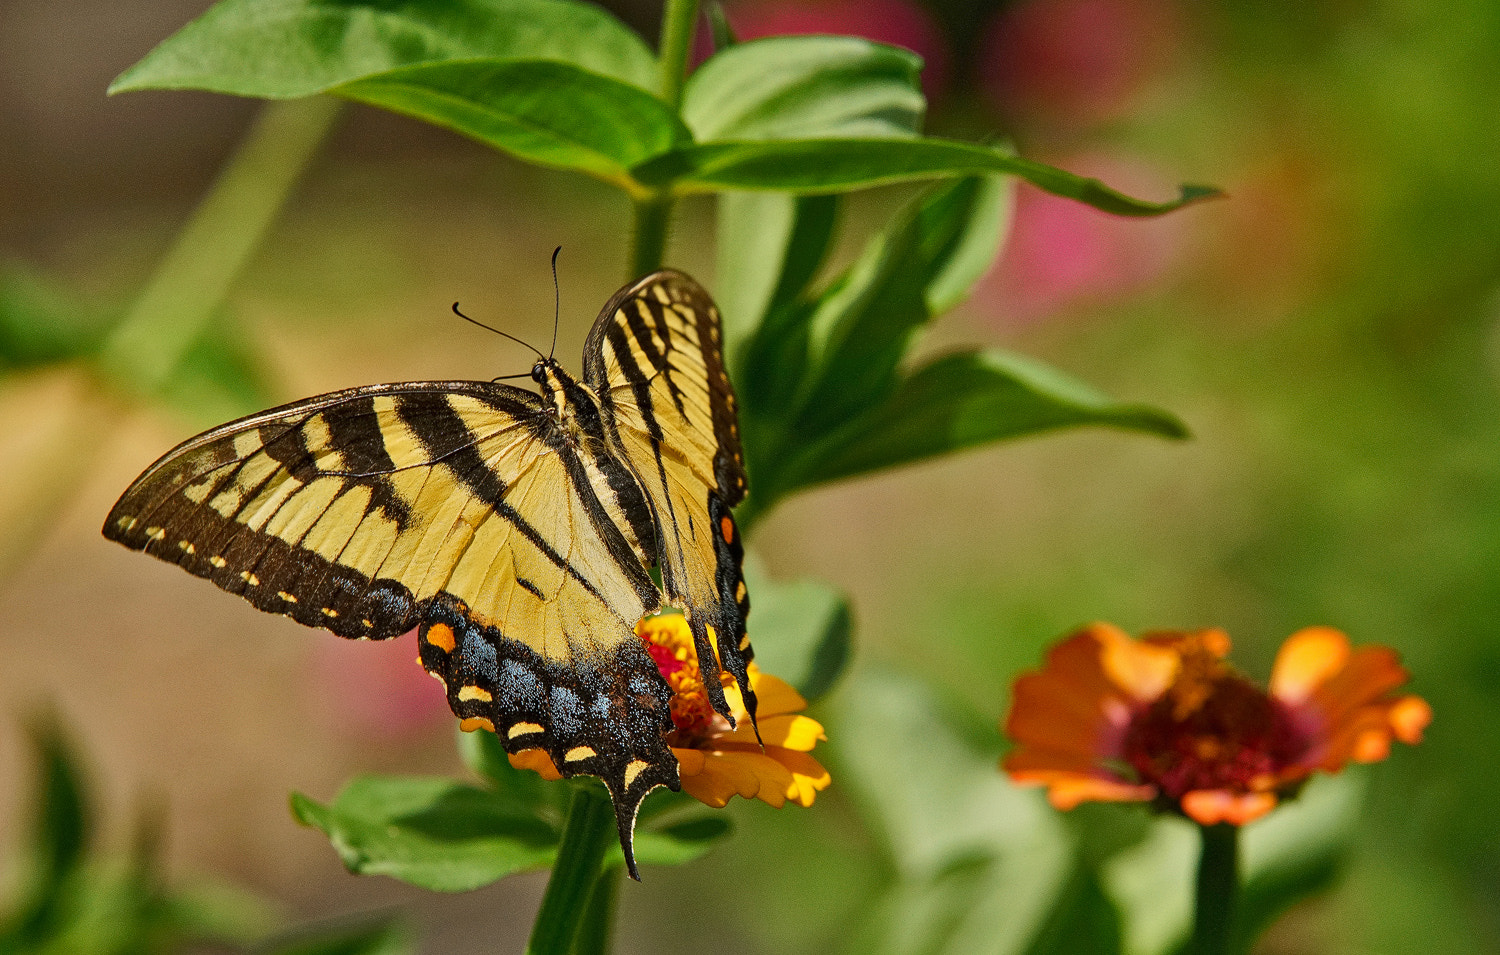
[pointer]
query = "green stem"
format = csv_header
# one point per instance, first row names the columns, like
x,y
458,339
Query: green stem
x,y
653,213
194,277
1218,889
586,836
594,935
649,246
679,23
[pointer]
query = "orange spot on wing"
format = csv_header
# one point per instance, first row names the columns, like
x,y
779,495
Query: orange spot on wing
x,y
727,526
471,723
440,635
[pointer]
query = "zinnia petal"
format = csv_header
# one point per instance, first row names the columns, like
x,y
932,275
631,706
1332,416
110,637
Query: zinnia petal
x,y
1209,807
1305,662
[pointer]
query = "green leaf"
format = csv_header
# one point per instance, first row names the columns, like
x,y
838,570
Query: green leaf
x,y
990,862
553,114
801,630
219,378
432,833
59,833
964,400
383,936
291,48
770,246
521,789
813,367
1292,853
43,323
805,87
675,843
836,165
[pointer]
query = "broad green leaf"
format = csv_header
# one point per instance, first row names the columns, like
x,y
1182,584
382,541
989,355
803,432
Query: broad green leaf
x,y
1285,857
219,378
521,789
385,936
837,165
964,400
673,843
55,844
432,833
812,367
991,861
805,87
553,114
863,327
800,630
290,48
770,246
42,323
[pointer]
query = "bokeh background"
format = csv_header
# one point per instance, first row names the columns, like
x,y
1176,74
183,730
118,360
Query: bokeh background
x,y
1328,332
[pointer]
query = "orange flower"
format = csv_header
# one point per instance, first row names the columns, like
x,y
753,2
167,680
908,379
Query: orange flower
x,y
715,761
1165,719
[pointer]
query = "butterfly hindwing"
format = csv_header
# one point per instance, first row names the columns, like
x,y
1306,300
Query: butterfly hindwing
x,y
654,356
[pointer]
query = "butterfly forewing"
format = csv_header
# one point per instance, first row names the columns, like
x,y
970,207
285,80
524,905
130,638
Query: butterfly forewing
x,y
654,356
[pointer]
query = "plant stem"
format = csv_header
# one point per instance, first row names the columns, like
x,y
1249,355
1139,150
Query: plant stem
x,y
679,23
649,241
194,276
594,935
653,213
1218,889
586,835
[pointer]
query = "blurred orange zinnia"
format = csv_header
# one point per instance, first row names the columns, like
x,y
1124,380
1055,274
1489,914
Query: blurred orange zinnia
x,y
716,761
1165,719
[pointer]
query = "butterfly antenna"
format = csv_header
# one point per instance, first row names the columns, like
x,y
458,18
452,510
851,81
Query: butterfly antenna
x,y
556,301
495,330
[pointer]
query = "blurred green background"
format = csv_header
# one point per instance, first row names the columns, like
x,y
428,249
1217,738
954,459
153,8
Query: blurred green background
x,y
1328,332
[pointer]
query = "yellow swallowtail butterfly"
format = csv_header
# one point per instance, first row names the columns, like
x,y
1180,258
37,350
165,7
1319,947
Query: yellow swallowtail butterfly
x,y
515,529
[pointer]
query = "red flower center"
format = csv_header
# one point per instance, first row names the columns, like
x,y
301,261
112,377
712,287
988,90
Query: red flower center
x,y
1212,729
670,644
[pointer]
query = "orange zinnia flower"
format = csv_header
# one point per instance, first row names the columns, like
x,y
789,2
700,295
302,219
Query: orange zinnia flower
x,y
716,761
1165,719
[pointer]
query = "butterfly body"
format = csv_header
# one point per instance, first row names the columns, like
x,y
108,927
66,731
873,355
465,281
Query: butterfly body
x,y
515,529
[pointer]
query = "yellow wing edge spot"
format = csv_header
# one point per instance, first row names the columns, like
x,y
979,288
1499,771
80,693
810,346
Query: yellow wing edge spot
x,y
440,635
745,642
471,723
217,561
289,598
187,547
249,578
523,729
125,523
739,591
579,752
475,693
156,533
633,769
330,612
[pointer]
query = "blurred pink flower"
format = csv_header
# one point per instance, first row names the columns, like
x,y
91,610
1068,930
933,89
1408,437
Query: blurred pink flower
x,y
1074,62
897,22
1062,253
377,688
